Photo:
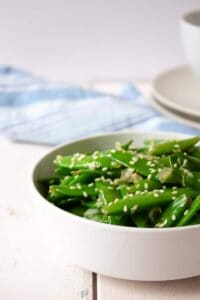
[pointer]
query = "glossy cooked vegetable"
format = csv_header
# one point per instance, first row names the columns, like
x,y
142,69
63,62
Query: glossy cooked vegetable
x,y
157,185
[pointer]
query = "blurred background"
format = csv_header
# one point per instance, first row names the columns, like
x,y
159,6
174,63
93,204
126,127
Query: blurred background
x,y
92,39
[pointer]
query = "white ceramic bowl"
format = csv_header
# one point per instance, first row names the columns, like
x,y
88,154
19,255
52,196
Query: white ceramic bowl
x,y
122,252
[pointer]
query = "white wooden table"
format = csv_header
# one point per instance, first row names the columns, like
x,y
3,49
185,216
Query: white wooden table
x,y
26,273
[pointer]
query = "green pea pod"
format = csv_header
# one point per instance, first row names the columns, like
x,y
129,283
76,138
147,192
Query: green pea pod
x,y
107,193
57,191
143,185
174,145
178,160
80,178
141,202
195,152
62,171
173,212
169,175
92,174
66,180
190,213
50,180
95,215
82,161
67,203
89,204
145,167
121,157
140,219
78,210
182,177
195,220
127,145
154,214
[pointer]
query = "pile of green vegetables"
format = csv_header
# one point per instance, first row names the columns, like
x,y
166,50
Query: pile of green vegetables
x,y
157,185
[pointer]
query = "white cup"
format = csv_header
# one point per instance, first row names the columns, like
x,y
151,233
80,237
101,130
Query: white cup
x,y
190,31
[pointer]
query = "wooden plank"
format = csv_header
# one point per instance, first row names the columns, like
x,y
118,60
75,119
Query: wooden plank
x,y
115,289
26,271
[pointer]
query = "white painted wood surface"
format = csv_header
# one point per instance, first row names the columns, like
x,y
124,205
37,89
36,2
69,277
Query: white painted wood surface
x,y
26,271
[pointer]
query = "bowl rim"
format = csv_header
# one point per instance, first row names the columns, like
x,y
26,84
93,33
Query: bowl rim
x,y
119,228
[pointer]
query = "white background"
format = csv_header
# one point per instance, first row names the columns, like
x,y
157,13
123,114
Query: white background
x,y
92,39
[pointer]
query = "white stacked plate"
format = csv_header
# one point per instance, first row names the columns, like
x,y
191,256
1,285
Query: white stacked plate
x,y
176,93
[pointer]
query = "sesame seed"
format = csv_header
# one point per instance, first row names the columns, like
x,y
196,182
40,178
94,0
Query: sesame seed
x,y
156,195
116,200
125,208
174,192
184,162
173,217
185,212
85,194
153,164
104,169
137,192
160,225
72,187
91,165
134,208
176,146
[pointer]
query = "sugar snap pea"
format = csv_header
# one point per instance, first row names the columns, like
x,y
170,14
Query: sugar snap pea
x,y
141,202
156,185
190,212
173,212
174,145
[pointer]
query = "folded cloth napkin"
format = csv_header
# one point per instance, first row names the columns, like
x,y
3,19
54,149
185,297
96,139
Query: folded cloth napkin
x,y
38,111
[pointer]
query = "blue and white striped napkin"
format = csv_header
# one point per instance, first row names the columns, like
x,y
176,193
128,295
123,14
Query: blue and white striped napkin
x,y
38,111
